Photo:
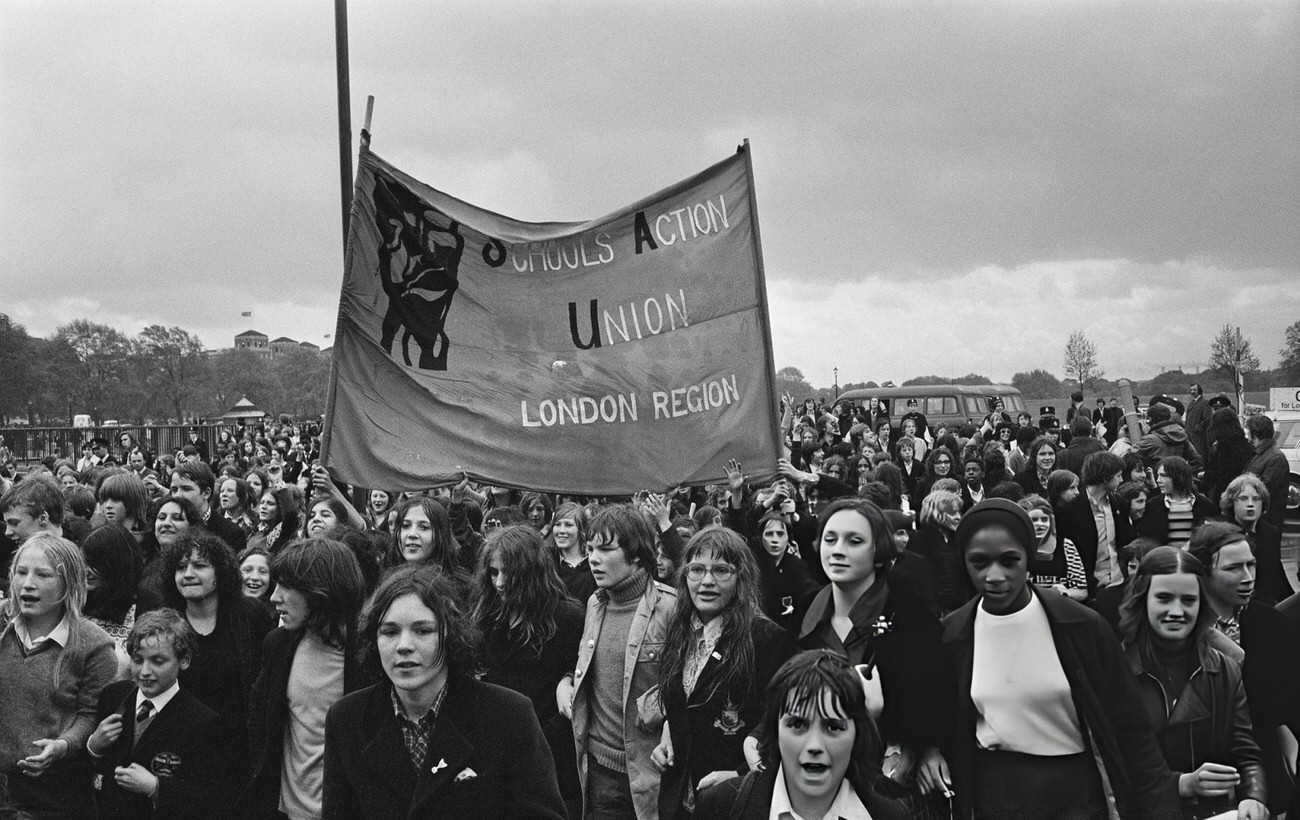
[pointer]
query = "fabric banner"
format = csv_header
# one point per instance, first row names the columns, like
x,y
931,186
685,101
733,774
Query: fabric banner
x,y
605,357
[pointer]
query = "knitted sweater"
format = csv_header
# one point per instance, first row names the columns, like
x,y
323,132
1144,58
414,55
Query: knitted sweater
x,y
31,708
607,671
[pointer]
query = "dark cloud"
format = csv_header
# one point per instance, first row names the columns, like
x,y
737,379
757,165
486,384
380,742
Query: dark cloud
x,y
181,159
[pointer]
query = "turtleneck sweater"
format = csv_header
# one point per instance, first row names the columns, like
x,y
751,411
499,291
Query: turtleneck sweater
x,y
606,740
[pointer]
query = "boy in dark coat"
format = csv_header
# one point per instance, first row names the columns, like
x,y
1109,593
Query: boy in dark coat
x,y
155,749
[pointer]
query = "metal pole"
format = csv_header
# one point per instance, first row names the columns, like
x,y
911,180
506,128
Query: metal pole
x,y
345,111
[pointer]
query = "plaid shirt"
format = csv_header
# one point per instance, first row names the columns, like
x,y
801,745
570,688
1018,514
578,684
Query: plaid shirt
x,y
416,736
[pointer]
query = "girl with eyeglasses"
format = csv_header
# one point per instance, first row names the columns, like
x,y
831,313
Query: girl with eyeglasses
x,y
719,652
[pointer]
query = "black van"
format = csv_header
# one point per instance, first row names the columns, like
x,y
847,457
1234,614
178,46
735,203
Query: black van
x,y
942,404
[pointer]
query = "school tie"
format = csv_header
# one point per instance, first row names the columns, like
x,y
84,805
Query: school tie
x,y
142,718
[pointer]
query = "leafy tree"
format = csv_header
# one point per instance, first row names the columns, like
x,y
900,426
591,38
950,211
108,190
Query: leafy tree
x,y
1230,354
1290,363
173,365
927,380
303,379
791,380
17,386
1081,359
98,379
1038,384
235,373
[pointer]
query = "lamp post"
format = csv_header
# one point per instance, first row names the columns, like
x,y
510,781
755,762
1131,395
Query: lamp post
x,y
836,371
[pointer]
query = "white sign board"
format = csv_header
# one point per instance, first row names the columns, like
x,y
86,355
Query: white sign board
x,y
1284,398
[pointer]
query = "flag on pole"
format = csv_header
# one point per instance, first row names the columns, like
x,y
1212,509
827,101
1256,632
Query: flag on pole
x,y
627,352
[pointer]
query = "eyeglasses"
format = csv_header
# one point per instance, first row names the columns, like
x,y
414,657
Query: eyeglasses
x,y
722,573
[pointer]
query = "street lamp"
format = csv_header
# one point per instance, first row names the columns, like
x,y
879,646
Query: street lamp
x,y
836,371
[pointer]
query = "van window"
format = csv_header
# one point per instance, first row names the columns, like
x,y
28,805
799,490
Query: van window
x,y
974,407
941,405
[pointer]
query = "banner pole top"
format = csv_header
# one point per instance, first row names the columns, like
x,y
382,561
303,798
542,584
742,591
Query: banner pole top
x,y
365,129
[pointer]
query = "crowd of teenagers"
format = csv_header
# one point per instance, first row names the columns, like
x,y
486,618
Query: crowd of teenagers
x,y
980,621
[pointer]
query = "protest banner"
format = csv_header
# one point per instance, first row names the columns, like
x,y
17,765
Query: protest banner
x,y
603,357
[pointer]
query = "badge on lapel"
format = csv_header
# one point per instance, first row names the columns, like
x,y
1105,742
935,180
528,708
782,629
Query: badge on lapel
x,y
165,764
439,766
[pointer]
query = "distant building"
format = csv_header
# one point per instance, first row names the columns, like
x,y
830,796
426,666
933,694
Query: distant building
x,y
255,342
283,345
266,348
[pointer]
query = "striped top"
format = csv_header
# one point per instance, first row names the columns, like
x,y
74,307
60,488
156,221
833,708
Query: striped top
x,y
1180,521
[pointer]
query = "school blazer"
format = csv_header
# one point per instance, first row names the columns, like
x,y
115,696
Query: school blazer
x,y
180,746
487,759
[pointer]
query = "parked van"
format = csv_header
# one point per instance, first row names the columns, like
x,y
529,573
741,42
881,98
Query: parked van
x,y
81,420
942,404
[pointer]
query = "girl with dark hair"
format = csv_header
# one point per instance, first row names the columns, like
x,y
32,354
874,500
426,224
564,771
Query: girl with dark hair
x,y
530,629
785,586
939,463
171,519
324,513
568,539
538,509
1177,509
257,481
886,629
236,499
112,583
277,520
308,664
428,740
123,499
1228,452
205,587
1048,722
888,474
1041,460
1062,488
818,751
422,535
718,652
1182,672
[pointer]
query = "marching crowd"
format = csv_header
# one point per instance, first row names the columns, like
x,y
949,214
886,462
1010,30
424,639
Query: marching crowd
x,y
998,619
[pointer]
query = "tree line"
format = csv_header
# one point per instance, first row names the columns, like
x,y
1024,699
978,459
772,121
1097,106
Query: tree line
x,y
162,374
1229,354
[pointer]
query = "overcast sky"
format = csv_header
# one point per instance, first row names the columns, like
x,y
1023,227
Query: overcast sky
x,y
942,188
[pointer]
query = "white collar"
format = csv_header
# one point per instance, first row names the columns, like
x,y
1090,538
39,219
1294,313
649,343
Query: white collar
x,y
846,806
159,701
59,634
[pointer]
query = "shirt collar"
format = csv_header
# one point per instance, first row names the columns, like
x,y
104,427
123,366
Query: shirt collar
x,y
1098,501
711,631
428,717
847,804
159,701
58,635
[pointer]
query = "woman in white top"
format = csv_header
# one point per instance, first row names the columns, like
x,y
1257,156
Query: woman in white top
x,y
1048,723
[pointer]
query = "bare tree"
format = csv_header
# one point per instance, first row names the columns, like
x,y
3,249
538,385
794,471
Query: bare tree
x,y
1230,353
1081,359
